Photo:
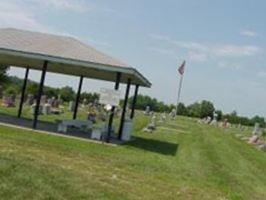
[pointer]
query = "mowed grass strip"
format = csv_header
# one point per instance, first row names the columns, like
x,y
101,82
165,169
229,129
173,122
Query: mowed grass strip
x,y
203,163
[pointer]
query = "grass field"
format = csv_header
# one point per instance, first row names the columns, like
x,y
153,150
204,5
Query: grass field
x,y
181,160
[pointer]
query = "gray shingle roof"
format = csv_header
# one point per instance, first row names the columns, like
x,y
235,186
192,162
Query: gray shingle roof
x,y
49,44
65,55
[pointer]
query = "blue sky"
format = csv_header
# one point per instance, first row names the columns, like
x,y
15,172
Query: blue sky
x,y
223,42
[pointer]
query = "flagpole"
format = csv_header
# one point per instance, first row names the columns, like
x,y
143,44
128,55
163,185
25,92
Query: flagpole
x,y
179,92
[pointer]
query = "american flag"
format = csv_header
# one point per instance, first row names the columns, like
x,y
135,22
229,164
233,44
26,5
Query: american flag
x,y
181,69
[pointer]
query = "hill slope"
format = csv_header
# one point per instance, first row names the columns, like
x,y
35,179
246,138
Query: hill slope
x,y
181,160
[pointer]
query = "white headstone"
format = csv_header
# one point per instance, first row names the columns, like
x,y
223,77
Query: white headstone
x,y
109,97
71,106
256,129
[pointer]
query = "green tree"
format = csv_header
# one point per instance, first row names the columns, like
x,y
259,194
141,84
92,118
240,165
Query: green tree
x,y
51,92
3,74
206,109
90,97
258,119
194,110
219,115
11,91
67,93
181,109
233,118
32,88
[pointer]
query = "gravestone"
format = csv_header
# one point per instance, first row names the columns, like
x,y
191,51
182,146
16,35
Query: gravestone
x,y
173,114
46,109
256,130
50,101
60,100
147,110
71,106
254,139
56,103
262,147
225,124
214,121
208,120
30,99
43,99
33,108
92,114
163,117
96,102
215,116
8,101
84,103
151,126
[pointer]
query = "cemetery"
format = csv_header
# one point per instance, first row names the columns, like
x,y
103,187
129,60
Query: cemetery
x,y
116,145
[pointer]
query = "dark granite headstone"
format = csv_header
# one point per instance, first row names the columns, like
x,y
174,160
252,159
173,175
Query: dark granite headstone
x,y
30,99
43,99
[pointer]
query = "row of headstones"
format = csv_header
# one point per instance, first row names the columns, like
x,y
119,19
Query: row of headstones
x,y
51,105
214,122
10,101
149,112
162,119
256,138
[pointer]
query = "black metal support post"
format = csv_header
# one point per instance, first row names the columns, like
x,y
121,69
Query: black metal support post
x,y
124,110
77,98
110,124
134,102
23,92
36,113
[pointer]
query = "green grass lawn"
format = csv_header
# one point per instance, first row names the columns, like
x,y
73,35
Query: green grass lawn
x,y
181,160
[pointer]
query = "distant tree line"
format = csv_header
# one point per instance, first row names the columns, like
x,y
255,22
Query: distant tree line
x,y
197,110
153,103
12,86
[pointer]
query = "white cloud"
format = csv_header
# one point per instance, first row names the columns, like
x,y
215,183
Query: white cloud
x,y
222,50
197,57
235,50
161,50
254,83
262,74
194,46
208,50
13,14
227,65
68,5
159,37
248,33
23,13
